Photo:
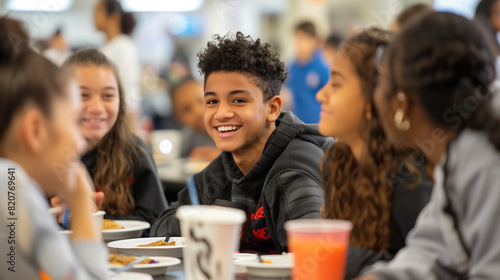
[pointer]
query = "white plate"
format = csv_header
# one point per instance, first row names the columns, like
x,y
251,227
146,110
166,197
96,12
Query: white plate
x,y
238,256
130,276
280,266
131,229
153,269
129,247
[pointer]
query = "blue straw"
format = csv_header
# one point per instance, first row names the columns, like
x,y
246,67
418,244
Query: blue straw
x,y
193,194
65,219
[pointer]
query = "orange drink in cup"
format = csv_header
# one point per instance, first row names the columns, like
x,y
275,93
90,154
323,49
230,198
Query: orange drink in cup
x,y
320,248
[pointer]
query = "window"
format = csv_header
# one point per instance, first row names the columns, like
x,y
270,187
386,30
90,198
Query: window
x,y
38,5
162,5
465,8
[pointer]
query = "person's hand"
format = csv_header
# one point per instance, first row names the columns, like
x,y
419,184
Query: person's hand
x,y
82,184
76,183
82,201
206,153
59,205
98,199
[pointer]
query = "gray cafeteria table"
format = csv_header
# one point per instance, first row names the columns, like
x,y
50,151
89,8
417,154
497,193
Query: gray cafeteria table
x,y
177,273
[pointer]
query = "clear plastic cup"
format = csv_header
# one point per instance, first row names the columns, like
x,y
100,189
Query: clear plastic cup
x,y
320,248
212,236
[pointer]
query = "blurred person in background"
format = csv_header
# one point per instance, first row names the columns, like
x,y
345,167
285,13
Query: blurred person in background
x,y
110,18
331,47
367,180
488,17
308,73
408,14
189,106
119,162
58,50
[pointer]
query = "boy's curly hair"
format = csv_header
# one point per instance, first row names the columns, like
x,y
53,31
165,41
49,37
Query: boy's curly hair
x,y
242,54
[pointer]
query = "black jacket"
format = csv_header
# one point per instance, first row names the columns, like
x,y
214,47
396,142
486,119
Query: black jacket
x,y
284,184
146,186
410,195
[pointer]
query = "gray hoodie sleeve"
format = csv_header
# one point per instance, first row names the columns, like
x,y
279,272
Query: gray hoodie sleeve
x,y
435,248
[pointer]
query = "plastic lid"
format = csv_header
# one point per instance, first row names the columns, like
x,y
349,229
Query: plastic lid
x,y
317,225
210,214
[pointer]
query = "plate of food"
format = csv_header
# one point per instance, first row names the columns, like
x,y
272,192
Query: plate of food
x,y
119,229
122,229
151,246
151,265
273,266
238,256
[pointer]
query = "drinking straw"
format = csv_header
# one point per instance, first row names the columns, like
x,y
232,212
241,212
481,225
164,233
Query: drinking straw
x,y
65,219
193,194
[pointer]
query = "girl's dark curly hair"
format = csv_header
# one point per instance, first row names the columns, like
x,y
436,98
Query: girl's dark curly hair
x,y
243,54
444,61
361,191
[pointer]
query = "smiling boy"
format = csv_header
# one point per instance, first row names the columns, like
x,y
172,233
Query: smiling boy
x,y
269,166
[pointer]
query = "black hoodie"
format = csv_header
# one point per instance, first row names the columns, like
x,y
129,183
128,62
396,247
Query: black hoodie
x,y
285,184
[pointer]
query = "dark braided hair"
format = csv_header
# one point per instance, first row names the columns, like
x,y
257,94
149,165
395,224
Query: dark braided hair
x,y
445,60
243,54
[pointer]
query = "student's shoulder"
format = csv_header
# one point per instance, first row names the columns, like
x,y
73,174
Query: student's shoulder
x,y
213,176
141,146
472,152
214,169
299,154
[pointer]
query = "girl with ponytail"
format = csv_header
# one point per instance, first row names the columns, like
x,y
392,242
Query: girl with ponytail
x,y
117,25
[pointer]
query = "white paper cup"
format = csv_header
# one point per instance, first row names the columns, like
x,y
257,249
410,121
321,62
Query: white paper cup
x,y
212,236
98,217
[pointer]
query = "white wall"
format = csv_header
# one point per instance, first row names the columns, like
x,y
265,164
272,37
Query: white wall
x,y
77,23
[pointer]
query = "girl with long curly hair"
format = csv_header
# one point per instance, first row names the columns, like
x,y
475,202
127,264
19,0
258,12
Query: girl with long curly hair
x,y
369,182
117,160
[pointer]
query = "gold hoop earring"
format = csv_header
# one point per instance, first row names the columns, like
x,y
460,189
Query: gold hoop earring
x,y
401,123
401,96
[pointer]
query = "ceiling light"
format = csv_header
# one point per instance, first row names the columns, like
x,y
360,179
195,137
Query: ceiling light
x,y
161,5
